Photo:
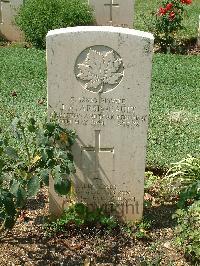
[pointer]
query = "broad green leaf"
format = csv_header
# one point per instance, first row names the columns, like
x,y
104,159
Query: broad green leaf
x,y
44,155
71,167
66,169
2,163
18,192
33,186
7,200
14,187
56,171
50,127
9,222
11,152
15,126
49,152
70,157
21,197
7,208
31,126
81,209
62,187
44,175
1,179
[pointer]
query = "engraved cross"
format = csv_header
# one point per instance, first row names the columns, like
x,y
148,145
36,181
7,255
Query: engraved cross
x,y
97,150
111,5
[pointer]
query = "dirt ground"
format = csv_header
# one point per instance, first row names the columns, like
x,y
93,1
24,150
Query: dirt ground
x,y
27,244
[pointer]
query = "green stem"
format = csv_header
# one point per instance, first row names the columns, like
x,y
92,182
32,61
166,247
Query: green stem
x,y
26,145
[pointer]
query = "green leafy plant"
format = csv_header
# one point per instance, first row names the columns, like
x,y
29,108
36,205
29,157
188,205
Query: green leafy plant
x,y
187,230
152,189
40,150
79,214
150,181
142,228
183,179
154,262
138,229
49,15
167,22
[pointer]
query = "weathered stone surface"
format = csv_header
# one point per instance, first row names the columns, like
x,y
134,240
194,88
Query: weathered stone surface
x,y
198,38
8,10
113,12
99,84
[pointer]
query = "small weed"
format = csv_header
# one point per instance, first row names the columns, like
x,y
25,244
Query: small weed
x,y
157,261
143,229
79,215
183,180
187,231
154,246
138,229
150,181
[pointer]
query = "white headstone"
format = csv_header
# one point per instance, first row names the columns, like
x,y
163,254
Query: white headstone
x,y
8,10
113,12
98,84
198,38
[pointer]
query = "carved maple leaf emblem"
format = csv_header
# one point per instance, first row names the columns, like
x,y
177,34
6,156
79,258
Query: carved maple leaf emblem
x,y
98,69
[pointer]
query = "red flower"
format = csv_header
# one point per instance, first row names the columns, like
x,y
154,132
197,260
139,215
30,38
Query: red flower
x,y
162,11
187,2
172,15
169,6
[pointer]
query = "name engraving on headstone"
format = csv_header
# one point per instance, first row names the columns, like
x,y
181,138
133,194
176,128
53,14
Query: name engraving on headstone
x,y
100,111
113,201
